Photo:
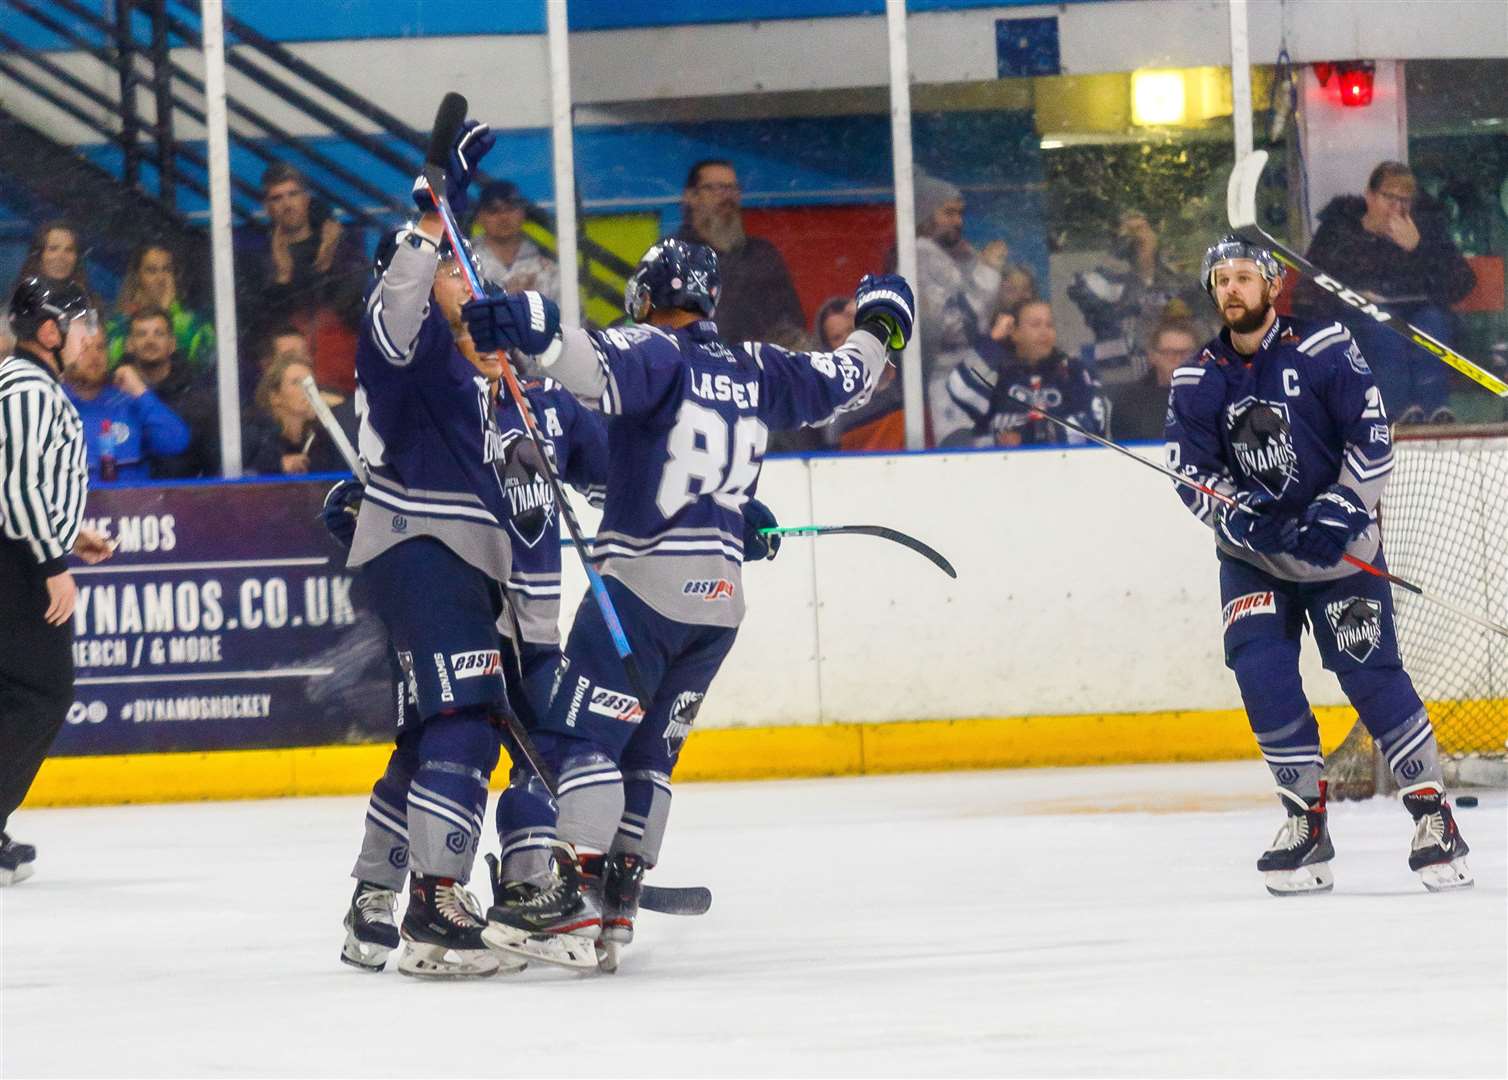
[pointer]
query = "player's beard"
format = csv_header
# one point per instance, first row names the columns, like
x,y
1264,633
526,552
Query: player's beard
x,y
722,230
1250,318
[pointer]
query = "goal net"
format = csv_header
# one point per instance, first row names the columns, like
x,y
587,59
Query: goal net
x,y
1444,522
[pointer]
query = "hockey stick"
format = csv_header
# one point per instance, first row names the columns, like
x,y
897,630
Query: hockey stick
x,y
1241,208
327,421
884,533
1360,564
448,121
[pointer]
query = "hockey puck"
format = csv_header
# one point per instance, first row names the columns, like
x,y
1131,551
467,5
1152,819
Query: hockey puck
x,y
1466,800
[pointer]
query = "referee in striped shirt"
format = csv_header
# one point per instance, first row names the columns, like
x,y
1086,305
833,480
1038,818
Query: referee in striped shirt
x,y
43,484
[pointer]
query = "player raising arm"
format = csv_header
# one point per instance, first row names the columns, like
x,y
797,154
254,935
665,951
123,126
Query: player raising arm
x,y
688,421
1284,416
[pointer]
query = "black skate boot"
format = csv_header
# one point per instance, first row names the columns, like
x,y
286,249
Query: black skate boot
x,y
15,860
556,923
1299,860
1439,851
623,880
371,927
442,932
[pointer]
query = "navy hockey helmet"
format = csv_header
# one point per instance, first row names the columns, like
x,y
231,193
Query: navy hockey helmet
x,y
673,274
389,242
38,299
1231,247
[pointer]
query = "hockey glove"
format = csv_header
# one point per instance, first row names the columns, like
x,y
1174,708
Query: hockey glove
x,y
339,513
1335,518
756,544
471,145
525,321
1252,525
887,299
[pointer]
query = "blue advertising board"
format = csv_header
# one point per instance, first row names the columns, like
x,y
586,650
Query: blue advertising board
x,y
226,619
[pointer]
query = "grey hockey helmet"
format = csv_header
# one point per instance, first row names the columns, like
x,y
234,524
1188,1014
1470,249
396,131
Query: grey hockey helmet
x,y
1230,248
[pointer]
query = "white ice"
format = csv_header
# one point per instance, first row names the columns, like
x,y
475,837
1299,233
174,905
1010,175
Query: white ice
x,y
1103,922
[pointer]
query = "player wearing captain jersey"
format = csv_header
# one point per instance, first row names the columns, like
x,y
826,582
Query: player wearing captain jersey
x,y
688,421
1284,416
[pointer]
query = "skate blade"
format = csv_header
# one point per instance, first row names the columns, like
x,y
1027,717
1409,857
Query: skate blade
x,y
365,956
561,950
1445,877
607,956
1314,878
18,875
437,962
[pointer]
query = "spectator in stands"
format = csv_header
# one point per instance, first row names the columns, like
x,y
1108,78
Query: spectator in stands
x,y
55,253
152,281
759,301
126,426
880,424
958,291
285,338
1124,305
304,268
1393,246
151,350
283,436
504,255
1017,283
1024,370
1141,407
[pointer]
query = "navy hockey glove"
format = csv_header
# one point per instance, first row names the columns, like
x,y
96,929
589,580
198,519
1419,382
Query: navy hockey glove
x,y
1335,518
525,321
339,512
471,145
887,299
1250,524
756,545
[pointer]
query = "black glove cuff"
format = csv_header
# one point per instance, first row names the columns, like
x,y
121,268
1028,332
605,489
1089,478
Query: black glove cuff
x,y
877,327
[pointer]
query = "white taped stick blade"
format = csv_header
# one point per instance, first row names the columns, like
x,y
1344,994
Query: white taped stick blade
x,y
1241,192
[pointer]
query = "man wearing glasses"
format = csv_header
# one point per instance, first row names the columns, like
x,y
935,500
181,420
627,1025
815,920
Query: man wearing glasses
x,y
758,302
1392,245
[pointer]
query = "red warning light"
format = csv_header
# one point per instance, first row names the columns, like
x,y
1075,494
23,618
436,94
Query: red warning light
x,y
1356,84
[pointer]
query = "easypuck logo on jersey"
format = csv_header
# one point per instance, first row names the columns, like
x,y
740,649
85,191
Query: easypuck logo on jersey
x,y
1356,623
472,665
1262,440
709,588
1256,603
682,716
615,705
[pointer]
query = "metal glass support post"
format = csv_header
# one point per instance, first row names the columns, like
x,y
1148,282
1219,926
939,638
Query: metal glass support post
x,y
913,388
229,381
561,135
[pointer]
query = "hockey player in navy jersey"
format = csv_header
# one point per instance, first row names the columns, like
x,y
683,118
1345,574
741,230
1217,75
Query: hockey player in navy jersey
x,y
1284,416
688,421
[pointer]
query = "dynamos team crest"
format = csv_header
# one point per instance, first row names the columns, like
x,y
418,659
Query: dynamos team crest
x,y
1263,442
1356,623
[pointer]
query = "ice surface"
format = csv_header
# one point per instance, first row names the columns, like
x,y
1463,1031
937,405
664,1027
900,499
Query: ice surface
x,y
1061,922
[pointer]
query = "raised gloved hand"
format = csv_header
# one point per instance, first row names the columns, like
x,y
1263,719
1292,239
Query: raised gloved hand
x,y
1252,524
1335,518
887,299
339,512
757,545
471,145
526,321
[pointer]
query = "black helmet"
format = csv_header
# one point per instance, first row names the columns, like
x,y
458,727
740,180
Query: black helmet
x,y
40,299
673,274
1230,247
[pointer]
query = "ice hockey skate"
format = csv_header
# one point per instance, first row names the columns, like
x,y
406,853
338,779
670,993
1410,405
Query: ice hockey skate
x,y
556,923
15,860
1299,860
1439,851
442,933
371,927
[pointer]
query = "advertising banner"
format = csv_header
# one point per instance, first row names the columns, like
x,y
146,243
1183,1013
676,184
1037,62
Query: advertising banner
x,y
226,619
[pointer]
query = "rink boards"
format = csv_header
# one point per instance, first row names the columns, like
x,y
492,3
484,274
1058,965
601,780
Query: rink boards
x,y
1083,628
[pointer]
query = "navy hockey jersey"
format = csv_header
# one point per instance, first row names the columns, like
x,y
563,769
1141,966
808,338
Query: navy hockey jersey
x,y
1300,414
577,438
988,394
688,422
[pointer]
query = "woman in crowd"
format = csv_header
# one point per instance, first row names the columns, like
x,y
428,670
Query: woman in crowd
x,y
57,255
283,436
152,282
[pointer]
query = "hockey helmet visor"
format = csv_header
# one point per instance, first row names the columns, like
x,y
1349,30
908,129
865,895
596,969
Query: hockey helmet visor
x,y
1231,248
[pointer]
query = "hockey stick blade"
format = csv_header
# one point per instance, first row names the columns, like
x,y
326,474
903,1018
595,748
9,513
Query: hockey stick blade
x,y
448,120
1241,209
895,536
690,900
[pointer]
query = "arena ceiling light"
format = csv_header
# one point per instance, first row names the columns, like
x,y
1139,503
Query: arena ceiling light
x,y
1157,97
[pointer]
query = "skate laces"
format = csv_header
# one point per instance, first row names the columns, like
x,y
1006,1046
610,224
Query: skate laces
x,y
377,905
1293,833
458,905
1429,831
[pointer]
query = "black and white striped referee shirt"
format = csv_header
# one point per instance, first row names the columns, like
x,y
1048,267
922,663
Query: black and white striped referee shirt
x,y
44,472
